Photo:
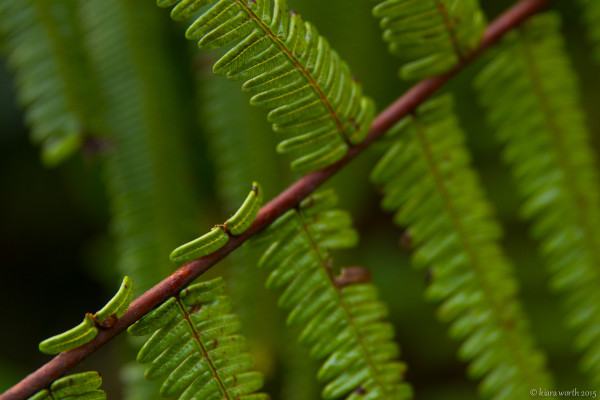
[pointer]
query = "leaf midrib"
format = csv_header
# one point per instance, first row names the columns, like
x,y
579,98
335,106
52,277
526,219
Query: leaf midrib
x,y
325,265
300,67
497,308
205,354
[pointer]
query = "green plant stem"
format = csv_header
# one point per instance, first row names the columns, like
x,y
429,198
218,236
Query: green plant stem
x,y
285,201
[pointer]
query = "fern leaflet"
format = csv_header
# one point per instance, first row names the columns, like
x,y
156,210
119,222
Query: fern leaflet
x,y
531,97
343,323
194,348
219,235
83,386
290,70
56,84
88,329
427,180
432,36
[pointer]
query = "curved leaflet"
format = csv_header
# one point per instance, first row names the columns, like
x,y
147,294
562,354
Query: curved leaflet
x,y
82,386
88,329
194,348
243,218
119,303
219,235
205,244
75,337
287,68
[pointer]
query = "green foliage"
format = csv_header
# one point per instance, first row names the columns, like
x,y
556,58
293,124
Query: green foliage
x,y
114,69
83,386
146,167
74,337
290,70
531,97
88,329
117,306
230,135
428,182
431,36
591,16
219,235
194,348
341,322
57,87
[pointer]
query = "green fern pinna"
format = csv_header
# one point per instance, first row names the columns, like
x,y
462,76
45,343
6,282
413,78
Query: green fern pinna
x,y
112,78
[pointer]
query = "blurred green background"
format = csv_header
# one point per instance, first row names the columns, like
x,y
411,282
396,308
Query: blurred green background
x,y
57,256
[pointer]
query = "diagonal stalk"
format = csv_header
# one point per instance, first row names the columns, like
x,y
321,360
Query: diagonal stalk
x,y
285,201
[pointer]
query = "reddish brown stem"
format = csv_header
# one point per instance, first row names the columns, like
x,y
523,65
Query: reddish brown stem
x,y
288,199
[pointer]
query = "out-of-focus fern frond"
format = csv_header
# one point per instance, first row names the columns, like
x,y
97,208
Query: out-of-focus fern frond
x,y
532,99
146,167
591,16
194,347
342,323
290,70
427,180
146,171
235,139
56,85
431,36
83,386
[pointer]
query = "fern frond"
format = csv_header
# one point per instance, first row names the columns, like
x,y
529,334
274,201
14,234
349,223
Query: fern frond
x,y
431,36
287,68
428,182
531,96
343,324
148,180
56,85
83,386
193,347
591,16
